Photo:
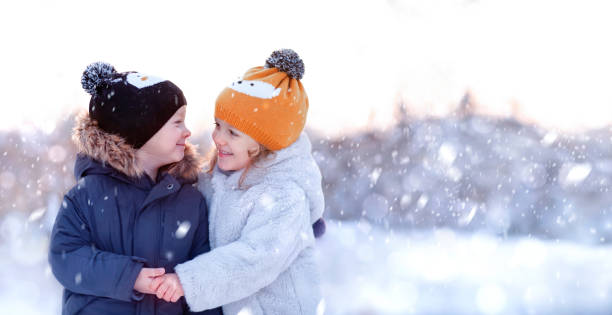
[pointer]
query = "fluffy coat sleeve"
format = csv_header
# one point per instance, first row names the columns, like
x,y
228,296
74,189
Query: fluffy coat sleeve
x,y
276,231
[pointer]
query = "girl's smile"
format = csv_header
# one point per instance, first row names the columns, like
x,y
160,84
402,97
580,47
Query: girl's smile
x,y
234,148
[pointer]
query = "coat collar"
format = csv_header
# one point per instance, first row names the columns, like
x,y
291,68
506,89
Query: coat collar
x,y
112,150
292,164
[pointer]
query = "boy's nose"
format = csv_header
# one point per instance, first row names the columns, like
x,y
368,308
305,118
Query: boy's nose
x,y
187,133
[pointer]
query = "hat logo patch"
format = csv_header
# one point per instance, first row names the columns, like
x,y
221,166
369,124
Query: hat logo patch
x,y
257,89
140,80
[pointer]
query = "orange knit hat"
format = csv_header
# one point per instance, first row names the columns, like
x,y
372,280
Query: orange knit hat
x,y
268,103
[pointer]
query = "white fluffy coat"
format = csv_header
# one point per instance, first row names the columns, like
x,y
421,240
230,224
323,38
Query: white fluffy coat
x,y
263,258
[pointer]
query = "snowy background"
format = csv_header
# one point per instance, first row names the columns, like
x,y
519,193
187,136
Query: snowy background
x,y
464,144
462,215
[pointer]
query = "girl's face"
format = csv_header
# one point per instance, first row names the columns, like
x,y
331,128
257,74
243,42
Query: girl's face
x,y
234,148
168,144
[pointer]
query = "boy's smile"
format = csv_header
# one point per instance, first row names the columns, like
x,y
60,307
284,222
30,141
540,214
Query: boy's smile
x,y
168,144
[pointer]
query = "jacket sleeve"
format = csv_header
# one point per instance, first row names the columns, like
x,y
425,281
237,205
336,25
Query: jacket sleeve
x,y
81,268
201,241
276,231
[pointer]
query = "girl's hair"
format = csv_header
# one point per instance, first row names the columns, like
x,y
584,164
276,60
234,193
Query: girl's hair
x,y
261,154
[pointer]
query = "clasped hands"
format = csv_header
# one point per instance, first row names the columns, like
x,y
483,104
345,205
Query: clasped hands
x,y
155,281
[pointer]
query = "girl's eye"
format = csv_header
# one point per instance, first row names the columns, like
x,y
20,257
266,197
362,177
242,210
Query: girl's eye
x,y
233,133
216,124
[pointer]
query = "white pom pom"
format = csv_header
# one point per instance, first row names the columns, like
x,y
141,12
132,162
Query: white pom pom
x,y
96,74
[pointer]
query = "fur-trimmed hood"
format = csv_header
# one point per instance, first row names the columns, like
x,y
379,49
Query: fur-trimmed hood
x,y
113,150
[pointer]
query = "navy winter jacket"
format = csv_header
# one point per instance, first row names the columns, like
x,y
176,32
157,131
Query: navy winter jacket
x,y
116,221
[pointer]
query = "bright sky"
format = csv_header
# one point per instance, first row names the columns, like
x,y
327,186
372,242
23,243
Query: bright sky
x,y
549,60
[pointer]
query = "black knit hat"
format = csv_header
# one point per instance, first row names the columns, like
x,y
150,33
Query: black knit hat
x,y
129,104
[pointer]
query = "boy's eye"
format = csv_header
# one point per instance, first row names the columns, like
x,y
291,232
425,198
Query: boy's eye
x,y
233,133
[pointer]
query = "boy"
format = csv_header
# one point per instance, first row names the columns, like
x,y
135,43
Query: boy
x,y
134,213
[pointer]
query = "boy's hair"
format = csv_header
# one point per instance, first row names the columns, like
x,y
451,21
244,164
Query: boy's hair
x,y
261,154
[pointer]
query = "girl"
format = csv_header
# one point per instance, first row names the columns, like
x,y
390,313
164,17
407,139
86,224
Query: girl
x,y
264,191
134,213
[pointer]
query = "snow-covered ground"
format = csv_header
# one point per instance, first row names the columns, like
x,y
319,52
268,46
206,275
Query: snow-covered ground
x,y
27,285
369,270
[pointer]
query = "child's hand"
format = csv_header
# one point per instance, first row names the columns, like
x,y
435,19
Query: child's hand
x,y
167,287
145,277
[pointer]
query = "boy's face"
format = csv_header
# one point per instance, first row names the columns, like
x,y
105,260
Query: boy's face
x,y
168,144
234,148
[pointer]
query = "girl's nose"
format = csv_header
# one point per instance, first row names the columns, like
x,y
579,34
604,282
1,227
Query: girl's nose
x,y
187,133
217,138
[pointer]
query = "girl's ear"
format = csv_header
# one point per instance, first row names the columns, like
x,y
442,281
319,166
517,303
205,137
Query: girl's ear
x,y
253,151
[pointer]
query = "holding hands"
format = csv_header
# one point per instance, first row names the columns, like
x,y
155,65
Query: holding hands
x,y
156,281
167,287
145,279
